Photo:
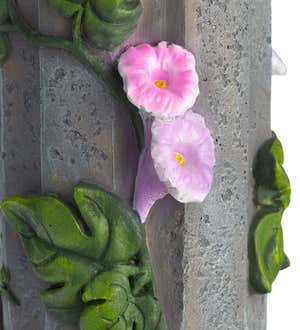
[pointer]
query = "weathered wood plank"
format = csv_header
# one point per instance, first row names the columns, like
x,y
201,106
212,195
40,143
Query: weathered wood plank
x,y
109,158
20,168
165,20
77,119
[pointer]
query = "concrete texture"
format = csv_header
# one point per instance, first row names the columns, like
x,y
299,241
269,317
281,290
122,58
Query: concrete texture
x,y
59,126
20,167
231,40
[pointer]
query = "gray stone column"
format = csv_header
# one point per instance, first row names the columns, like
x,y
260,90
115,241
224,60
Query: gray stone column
x,y
231,40
59,126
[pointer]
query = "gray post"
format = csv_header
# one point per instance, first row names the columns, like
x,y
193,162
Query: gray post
x,y
58,126
231,40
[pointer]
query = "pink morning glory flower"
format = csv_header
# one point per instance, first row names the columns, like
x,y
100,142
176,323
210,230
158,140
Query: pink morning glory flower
x,y
160,80
178,159
278,66
184,156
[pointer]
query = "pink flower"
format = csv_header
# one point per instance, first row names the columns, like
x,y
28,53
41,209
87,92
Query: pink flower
x,y
278,66
161,80
184,156
179,160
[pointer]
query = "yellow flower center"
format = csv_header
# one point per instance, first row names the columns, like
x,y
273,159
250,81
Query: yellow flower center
x,y
161,84
180,159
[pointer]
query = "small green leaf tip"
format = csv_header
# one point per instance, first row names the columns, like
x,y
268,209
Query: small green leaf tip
x,y
4,286
95,258
273,192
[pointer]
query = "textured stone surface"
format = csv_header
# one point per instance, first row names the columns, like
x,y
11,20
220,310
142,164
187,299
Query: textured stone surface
x,y
59,126
231,40
20,168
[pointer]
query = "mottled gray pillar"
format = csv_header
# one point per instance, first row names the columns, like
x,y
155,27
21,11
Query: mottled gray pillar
x,y
59,126
231,40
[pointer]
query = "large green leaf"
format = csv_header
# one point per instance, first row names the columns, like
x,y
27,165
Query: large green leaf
x,y
95,258
273,193
109,22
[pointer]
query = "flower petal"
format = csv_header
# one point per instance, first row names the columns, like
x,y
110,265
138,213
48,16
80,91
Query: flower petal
x,y
278,66
148,187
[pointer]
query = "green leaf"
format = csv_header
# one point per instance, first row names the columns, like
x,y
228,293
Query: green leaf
x,y
3,11
4,276
109,23
3,48
148,306
272,182
49,219
107,297
273,192
268,257
4,287
111,303
66,7
125,230
94,257
286,262
117,11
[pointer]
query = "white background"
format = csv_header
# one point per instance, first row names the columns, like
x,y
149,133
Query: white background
x,y
284,301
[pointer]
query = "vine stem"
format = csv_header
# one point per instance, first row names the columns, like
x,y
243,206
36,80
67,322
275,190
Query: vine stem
x,y
8,28
78,48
